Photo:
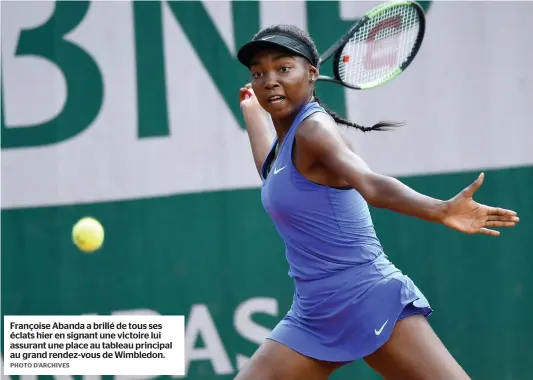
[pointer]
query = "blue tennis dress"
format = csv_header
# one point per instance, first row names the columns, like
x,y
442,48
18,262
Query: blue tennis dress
x,y
348,295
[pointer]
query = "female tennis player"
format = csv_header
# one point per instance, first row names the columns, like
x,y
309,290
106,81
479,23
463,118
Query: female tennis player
x,y
350,302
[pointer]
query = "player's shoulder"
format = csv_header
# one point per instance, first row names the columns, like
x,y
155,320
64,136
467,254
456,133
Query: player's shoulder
x,y
319,130
316,127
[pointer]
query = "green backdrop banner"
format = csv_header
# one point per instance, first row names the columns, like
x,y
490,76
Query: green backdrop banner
x,y
216,258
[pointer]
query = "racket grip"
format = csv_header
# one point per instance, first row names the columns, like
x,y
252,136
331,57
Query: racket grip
x,y
247,95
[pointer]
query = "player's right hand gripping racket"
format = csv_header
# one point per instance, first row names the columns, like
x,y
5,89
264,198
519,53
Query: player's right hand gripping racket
x,y
379,47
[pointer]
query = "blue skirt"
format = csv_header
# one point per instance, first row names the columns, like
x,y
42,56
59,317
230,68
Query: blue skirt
x,y
349,315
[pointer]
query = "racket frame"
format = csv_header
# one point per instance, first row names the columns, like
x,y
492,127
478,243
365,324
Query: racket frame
x,y
338,46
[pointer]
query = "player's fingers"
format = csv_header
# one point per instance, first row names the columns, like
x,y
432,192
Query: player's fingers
x,y
501,211
249,85
503,218
499,224
489,232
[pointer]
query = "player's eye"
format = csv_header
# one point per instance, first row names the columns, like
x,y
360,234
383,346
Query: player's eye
x,y
256,75
285,69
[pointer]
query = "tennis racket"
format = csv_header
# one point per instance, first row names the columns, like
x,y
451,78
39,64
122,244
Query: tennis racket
x,y
378,47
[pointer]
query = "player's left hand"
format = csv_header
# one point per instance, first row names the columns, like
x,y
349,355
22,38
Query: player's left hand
x,y
247,97
464,214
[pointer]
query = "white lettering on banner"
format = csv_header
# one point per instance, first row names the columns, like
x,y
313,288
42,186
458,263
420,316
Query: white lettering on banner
x,y
444,97
200,324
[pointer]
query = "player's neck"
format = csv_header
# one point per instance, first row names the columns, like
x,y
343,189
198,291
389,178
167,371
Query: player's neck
x,y
282,127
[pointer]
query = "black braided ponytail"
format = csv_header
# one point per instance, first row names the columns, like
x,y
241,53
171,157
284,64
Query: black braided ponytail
x,y
381,126
305,38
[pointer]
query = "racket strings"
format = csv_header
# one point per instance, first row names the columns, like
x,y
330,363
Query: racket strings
x,y
380,47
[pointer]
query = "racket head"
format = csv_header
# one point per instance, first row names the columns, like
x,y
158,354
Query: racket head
x,y
381,45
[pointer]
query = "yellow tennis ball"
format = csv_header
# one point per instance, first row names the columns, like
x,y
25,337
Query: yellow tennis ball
x,y
88,234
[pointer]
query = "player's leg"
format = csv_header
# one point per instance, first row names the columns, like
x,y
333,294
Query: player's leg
x,y
275,361
414,352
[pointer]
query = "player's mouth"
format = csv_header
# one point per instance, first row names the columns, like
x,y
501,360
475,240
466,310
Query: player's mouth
x,y
275,99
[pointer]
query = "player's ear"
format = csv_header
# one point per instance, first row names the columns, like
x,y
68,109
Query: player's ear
x,y
313,73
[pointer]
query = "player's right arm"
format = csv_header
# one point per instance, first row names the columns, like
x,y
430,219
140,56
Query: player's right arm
x,y
319,137
259,133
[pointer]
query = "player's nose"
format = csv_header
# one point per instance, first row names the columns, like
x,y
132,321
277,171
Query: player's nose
x,y
271,81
